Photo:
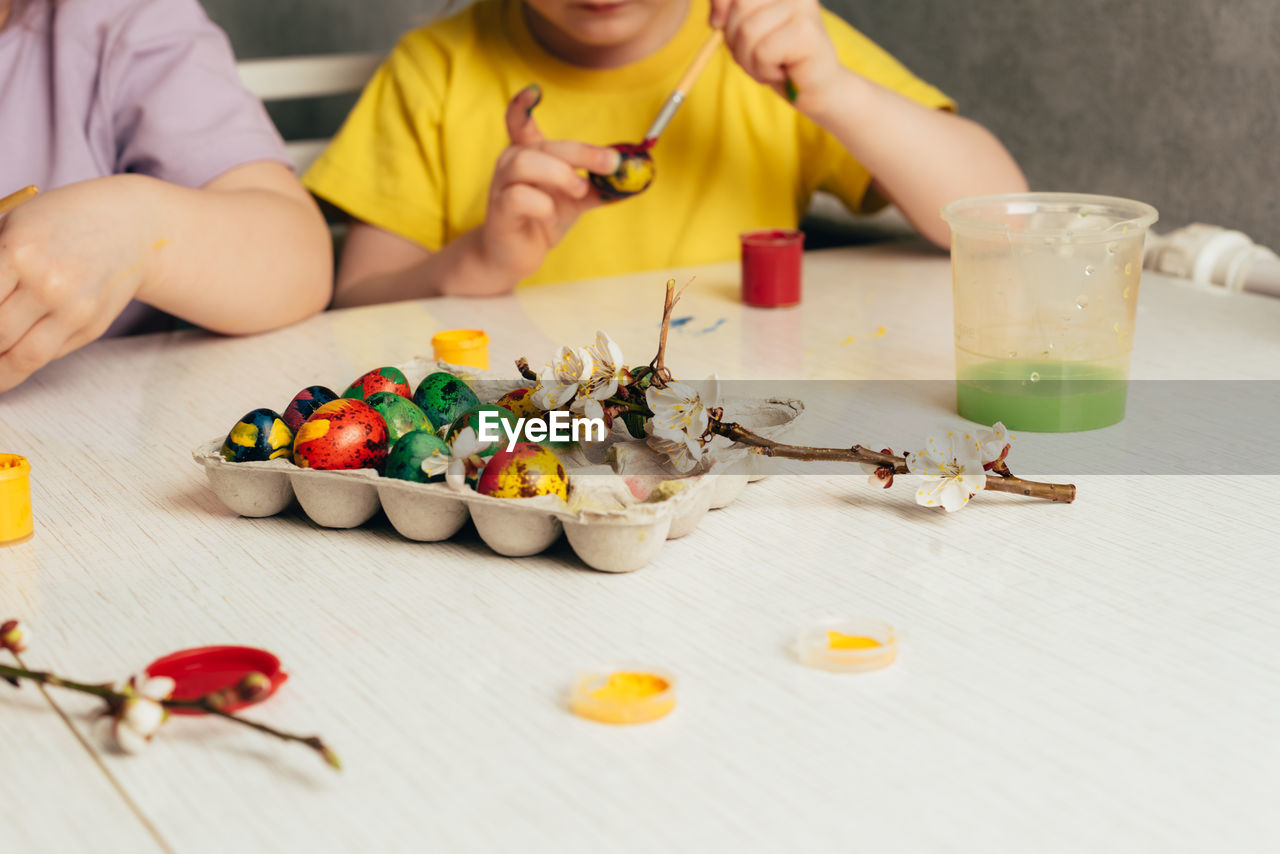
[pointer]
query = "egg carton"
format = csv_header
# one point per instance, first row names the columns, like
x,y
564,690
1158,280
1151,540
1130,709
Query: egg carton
x,y
607,526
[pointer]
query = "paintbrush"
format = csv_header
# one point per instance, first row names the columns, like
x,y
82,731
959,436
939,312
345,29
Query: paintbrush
x,y
681,92
11,201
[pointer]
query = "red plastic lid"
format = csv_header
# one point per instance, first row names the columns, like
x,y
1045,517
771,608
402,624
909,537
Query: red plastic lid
x,y
206,669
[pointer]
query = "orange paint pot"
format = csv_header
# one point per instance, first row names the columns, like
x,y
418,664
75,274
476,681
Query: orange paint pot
x,y
624,695
847,646
16,523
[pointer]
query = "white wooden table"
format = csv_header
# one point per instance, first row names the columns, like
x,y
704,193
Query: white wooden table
x,y
1093,677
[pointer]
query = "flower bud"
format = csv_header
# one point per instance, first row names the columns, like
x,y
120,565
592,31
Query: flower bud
x,y
14,636
253,688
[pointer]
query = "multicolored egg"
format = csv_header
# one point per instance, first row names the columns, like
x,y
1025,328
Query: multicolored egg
x,y
520,401
306,402
344,434
471,418
526,471
400,413
261,435
443,397
380,379
405,460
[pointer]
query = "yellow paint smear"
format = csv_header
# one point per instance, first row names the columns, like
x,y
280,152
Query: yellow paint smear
x,y
847,341
159,244
624,687
880,332
839,640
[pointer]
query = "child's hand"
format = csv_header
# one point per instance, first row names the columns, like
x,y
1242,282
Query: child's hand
x,y
70,261
536,193
779,40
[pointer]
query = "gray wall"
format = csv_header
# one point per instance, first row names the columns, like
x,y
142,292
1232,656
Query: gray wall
x,y
1175,102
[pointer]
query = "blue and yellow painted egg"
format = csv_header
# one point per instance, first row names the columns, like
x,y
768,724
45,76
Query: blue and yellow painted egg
x,y
526,471
344,434
406,457
401,414
443,397
261,435
306,402
379,379
471,418
520,401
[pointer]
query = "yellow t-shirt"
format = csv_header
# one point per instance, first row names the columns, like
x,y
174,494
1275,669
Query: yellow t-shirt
x,y
417,153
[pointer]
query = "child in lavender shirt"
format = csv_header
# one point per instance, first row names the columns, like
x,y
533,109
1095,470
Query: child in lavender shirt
x,y
165,186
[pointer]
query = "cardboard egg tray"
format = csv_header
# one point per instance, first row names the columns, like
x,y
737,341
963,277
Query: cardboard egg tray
x,y
607,526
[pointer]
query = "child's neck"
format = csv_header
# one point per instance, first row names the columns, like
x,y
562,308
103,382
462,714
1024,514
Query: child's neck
x,y
564,47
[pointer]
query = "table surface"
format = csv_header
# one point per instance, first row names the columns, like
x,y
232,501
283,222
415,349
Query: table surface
x,y
1099,676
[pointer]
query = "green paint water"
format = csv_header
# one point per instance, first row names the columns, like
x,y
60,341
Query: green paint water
x,y
1041,396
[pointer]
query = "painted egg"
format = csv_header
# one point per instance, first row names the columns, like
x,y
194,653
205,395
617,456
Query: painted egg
x,y
260,435
405,460
344,434
381,379
306,402
443,397
526,471
471,419
634,174
401,414
520,401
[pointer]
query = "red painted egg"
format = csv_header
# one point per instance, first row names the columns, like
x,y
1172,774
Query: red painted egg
x,y
379,379
344,434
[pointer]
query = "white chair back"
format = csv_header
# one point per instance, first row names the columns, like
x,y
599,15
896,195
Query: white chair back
x,y
293,77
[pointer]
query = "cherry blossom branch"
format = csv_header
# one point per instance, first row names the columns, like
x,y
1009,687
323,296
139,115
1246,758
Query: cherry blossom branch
x,y
1061,492
658,367
208,704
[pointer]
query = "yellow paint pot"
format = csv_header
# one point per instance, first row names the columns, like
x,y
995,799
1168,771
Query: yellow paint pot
x,y
15,500
468,347
624,695
848,646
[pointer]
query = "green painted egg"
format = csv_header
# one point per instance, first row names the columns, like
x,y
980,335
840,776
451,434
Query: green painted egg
x,y
444,397
405,460
471,418
401,414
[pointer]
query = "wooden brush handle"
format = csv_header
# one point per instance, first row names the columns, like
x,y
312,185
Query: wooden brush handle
x,y
700,61
12,200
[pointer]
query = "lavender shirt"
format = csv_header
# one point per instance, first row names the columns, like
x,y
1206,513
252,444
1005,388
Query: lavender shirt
x,y
90,88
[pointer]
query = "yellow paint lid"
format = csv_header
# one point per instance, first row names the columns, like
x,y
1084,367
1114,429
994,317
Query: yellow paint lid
x,y
854,645
623,695
16,523
468,347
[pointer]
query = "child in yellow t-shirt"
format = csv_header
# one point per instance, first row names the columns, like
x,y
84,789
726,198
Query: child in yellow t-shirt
x,y
457,186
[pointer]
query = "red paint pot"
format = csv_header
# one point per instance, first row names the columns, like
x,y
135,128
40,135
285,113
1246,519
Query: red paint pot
x,y
202,671
771,265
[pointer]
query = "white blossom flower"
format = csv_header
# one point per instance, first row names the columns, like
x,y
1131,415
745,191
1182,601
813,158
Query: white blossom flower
x,y
682,456
562,378
952,471
995,443
15,636
608,370
437,463
141,714
679,413
465,449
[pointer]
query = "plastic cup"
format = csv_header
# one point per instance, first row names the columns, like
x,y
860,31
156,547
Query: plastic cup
x,y
1046,290
16,524
468,347
771,267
